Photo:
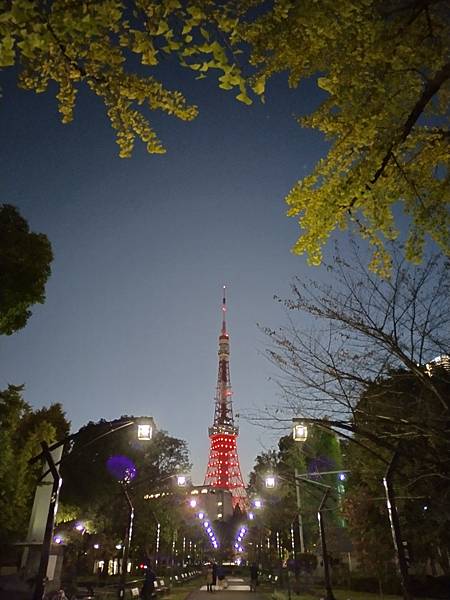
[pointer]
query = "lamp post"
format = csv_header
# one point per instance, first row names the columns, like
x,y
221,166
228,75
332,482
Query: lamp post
x,y
181,481
144,432
394,522
326,564
300,435
127,542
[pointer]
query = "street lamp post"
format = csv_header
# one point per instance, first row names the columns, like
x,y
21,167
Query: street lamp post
x,y
300,434
181,482
127,543
326,562
300,428
299,513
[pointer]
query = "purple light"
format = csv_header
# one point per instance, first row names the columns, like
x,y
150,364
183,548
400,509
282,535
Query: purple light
x,y
57,539
121,468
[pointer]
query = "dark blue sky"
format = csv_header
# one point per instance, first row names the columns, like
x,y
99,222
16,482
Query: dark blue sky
x,y
142,247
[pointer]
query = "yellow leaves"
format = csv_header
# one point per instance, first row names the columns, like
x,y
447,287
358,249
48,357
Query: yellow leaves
x,y
196,13
7,54
243,97
186,29
259,85
163,27
143,45
229,80
326,83
31,43
21,10
89,43
374,72
381,261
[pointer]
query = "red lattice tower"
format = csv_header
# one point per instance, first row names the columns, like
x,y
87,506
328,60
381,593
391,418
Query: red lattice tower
x,y
223,470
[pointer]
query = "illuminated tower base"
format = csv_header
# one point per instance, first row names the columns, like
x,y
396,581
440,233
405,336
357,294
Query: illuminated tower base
x,y
223,469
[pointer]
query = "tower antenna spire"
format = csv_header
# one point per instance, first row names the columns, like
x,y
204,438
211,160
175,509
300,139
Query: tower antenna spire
x,y
224,311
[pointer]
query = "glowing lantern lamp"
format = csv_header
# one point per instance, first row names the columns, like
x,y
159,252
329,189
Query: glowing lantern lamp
x,y
145,431
300,432
270,481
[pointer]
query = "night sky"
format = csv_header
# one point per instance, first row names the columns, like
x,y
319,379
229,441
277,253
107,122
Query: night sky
x,y
142,248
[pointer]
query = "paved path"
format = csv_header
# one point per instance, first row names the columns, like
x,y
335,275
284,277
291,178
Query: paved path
x,y
235,584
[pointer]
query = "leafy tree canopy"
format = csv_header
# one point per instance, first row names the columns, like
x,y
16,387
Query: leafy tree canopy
x,y
21,431
385,70
422,477
320,453
91,492
100,45
383,66
25,259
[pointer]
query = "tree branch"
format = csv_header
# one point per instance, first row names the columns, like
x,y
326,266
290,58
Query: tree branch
x,y
431,88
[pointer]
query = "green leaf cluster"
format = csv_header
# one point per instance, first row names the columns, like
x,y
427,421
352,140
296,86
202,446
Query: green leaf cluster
x,y
90,492
25,259
321,452
384,69
92,44
21,431
401,410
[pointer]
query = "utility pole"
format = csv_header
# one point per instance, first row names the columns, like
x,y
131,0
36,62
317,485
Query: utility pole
x,y
299,512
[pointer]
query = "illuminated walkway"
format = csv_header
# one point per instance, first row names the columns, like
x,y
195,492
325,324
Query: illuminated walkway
x,y
235,584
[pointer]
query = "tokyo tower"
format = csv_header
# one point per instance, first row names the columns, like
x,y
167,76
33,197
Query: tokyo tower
x,y
223,470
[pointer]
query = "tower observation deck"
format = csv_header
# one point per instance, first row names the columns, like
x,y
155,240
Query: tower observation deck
x,y
223,470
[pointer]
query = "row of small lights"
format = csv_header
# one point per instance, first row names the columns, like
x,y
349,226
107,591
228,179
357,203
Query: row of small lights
x,y
239,539
209,530
157,495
